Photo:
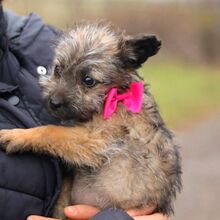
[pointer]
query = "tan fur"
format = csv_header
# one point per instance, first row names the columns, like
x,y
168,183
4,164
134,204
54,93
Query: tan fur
x,y
127,161
64,198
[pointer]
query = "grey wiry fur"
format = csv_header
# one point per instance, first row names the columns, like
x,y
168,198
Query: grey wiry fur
x,y
127,161
150,163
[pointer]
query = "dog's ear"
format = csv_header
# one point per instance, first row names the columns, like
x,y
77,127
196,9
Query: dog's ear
x,y
135,51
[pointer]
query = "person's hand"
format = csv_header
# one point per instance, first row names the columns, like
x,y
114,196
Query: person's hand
x,y
84,212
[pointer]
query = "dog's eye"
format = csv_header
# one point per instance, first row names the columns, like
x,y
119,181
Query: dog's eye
x,y
58,70
88,81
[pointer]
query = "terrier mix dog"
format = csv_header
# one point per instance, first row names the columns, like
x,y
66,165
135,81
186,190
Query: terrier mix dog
x,y
124,153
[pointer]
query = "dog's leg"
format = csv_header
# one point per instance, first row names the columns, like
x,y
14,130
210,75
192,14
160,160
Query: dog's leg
x,y
64,199
78,145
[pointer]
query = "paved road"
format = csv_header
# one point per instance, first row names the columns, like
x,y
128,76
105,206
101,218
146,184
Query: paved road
x,y
200,198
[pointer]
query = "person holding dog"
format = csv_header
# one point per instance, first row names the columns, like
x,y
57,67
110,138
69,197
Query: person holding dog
x,y
30,184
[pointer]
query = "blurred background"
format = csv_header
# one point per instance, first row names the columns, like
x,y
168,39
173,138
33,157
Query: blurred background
x,y
184,78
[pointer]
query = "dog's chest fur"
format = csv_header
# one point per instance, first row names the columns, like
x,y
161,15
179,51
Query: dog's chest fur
x,y
140,157
85,190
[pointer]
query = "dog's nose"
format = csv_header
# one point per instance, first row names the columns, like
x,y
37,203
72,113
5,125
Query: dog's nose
x,y
55,103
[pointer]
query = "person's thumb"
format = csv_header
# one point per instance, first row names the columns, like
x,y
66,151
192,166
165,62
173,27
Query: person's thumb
x,y
139,212
80,211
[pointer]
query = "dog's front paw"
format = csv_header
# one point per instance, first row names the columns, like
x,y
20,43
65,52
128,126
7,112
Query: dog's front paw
x,y
12,140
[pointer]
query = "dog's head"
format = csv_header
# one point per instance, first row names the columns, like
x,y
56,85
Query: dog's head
x,y
89,60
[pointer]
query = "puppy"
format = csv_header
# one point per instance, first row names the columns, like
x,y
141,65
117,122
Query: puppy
x,y
124,155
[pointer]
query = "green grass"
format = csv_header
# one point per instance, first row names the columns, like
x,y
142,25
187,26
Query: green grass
x,y
184,93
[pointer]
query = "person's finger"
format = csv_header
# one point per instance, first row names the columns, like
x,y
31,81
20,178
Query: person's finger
x,y
140,212
35,217
80,211
156,216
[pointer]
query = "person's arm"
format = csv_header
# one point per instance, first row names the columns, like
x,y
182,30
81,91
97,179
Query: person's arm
x,y
79,212
3,40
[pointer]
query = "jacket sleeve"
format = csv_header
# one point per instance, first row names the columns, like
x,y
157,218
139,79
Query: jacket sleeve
x,y
112,214
31,40
3,40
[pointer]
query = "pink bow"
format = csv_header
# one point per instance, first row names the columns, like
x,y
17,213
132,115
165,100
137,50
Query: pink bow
x,y
132,99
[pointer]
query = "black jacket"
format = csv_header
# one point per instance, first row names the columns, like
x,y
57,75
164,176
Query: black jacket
x,y
29,184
